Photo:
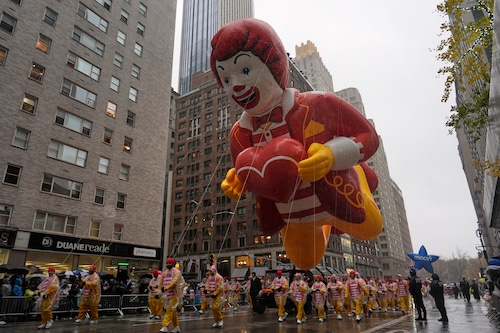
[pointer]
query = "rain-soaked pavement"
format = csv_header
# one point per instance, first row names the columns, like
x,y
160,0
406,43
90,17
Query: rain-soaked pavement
x,y
464,318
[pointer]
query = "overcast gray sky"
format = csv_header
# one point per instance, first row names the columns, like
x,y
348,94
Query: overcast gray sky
x,y
385,50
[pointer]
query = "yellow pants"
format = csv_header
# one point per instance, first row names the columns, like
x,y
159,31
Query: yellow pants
x,y
46,310
300,310
204,304
156,305
321,309
358,305
86,304
280,303
404,302
171,312
216,309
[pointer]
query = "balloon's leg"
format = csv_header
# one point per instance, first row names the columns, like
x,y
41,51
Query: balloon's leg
x,y
305,243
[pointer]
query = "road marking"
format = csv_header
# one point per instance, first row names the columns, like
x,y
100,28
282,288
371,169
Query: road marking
x,y
390,323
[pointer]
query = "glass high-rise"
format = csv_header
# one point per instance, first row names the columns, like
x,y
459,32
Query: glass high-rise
x,y
201,20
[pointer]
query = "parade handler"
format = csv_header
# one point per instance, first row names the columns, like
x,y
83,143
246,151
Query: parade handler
x,y
280,288
155,300
48,291
171,282
214,290
302,154
91,295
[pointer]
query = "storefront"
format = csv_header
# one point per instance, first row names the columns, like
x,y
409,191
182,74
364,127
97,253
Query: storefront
x,y
69,253
7,240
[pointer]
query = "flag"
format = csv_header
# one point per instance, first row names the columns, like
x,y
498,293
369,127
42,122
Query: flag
x,y
190,263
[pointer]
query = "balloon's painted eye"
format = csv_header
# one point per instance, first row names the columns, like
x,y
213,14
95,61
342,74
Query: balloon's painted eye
x,y
226,80
246,70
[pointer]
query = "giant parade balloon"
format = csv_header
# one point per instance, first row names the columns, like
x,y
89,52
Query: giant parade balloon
x,y
423,260
303,154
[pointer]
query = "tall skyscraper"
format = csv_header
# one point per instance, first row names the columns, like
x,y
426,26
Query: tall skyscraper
x,y
309,61
200,21
85,102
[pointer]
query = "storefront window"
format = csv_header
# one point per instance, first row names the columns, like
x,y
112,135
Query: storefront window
x,y
62,262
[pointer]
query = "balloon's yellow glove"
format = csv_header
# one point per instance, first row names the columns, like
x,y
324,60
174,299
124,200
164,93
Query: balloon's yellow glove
x,y
232,186
318,163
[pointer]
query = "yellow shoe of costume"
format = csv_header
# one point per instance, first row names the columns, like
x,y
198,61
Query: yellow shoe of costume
x,y
305,242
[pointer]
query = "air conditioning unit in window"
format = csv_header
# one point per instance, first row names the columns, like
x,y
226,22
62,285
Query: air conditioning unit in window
x,y
4,208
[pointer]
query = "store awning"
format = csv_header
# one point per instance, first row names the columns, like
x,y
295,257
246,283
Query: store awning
x,y
239,272
260,271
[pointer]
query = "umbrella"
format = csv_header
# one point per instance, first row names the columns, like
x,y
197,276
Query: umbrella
x,y
69,273
18,270
32,276
5,268
81,272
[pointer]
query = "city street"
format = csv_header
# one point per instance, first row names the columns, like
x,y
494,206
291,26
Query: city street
x,y
463,319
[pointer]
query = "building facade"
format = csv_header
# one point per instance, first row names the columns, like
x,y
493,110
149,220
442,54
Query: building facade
x,y
200,21
85,98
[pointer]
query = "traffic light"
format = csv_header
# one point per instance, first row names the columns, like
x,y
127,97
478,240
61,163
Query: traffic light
x,y
212,259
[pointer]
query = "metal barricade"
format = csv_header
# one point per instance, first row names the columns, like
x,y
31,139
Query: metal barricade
x,y
135,302
16,305
111,303
67,305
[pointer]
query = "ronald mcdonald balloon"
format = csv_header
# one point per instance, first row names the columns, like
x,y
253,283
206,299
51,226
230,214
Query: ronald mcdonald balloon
x,y
302,154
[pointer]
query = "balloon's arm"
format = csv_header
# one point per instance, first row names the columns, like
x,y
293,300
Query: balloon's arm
x,y
318,163
232,186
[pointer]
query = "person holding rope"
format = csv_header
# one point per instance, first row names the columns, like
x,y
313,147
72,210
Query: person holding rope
x,y
48,291
171,282
155,301
91,295
214,290
280,288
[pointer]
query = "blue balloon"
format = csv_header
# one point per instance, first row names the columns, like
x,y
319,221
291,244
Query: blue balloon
x,y
423,260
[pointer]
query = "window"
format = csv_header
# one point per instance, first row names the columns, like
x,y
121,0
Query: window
x,y
117,231
12,175
111,110
115,84
136,71
8,23
21,138
43,43
120,37
138,49
105,3
140,28
130,118
17,2
124,171
107,136
118,61
127,144
5,212
66,153
78,93
95,228
73,122
61,186
3,54
99,196
55,222
29,103
143,9
132,94
88,41
103,165
92,17
121,200
83,66
50,16
37,72
124,16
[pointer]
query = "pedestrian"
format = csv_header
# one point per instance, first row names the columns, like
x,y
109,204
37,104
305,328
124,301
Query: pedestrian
x,y
455,290
298,290
234,293
255,288
91,294
171,282
335,288
403,294
319,296
475,289
214,290
48,291
415,288
437,291
280,288
354,290
464,285
155,300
